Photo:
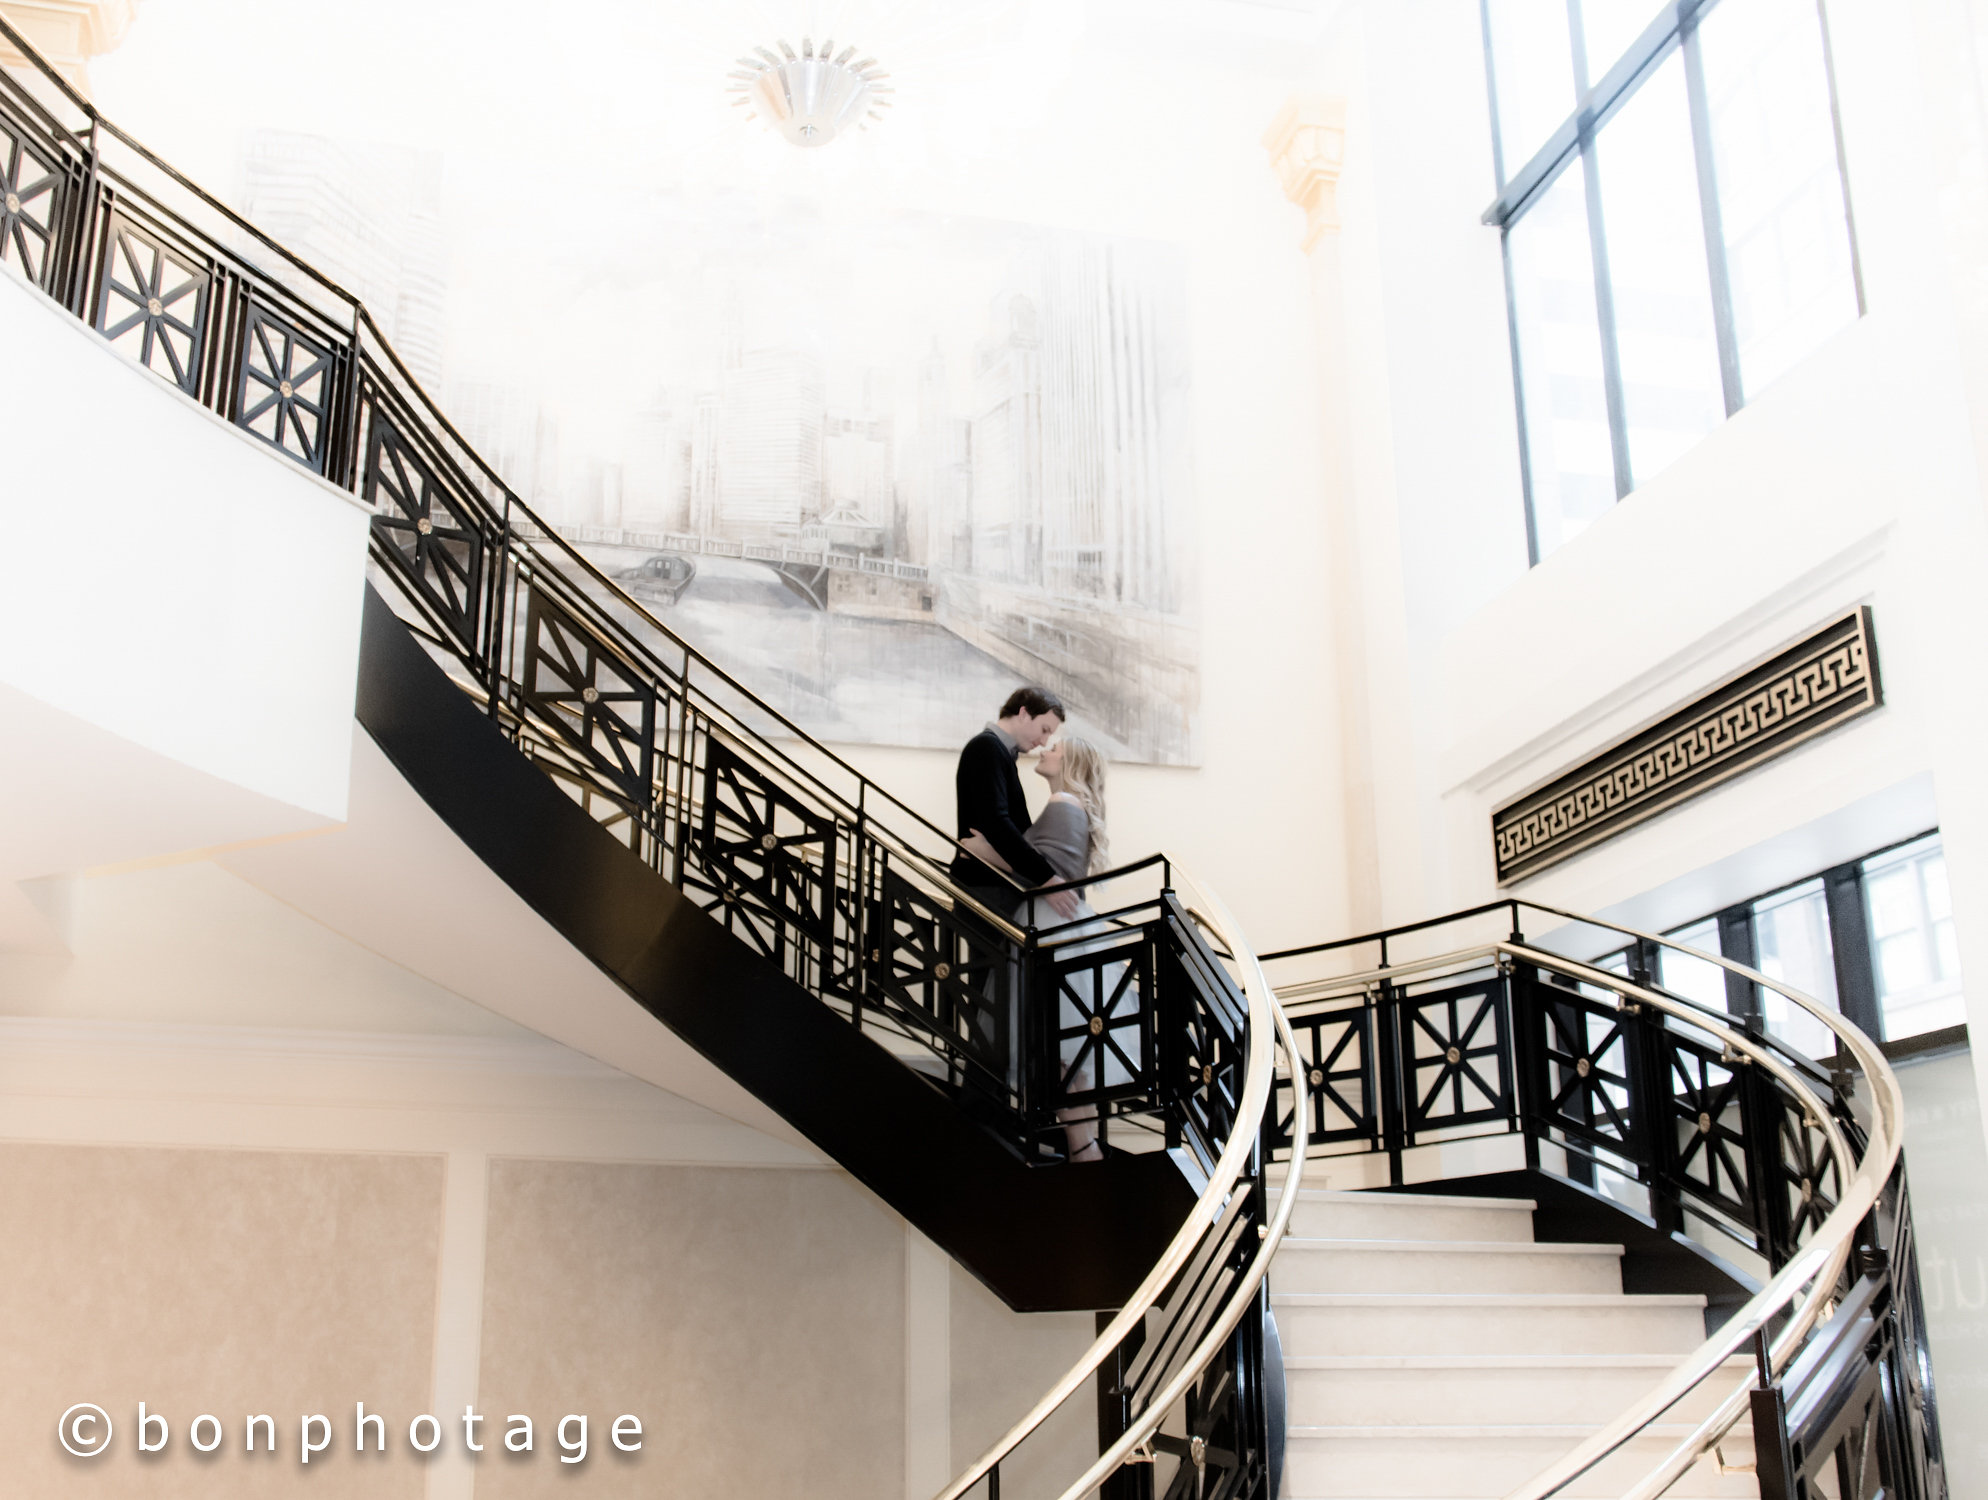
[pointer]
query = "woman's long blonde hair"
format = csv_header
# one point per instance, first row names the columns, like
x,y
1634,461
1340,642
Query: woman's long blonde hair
x,y
1083,778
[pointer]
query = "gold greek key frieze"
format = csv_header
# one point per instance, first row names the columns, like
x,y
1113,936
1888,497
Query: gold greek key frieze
x,y
1825,680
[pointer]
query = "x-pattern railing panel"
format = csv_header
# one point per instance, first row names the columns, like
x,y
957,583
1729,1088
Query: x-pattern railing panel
x,y
764,844
434,536
1584,1044
1099,1001
951,975
591,695
33,197
1707,1127
285,383
152,302
1805,1174
1456,1057
1336,1050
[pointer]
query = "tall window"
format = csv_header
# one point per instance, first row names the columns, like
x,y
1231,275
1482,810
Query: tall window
x,y
1872,940
1676,228
1912,939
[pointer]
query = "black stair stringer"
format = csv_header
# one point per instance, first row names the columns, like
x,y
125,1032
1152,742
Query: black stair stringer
x,y
1043,1238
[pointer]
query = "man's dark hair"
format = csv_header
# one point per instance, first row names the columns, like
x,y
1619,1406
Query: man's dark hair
x,y
1037,701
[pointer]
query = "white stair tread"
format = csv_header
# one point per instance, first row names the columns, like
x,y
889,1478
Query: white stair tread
x,y
1572,1431
1449,1247
1548,1362
1486,1299
1412,1200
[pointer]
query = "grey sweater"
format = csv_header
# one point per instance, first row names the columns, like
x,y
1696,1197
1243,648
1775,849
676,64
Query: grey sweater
x,y
1062,835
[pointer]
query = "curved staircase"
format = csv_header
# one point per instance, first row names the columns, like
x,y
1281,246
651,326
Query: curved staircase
x,y
794,924
1434,1351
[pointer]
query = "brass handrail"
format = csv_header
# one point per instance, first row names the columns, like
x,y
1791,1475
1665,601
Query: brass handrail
x,y
1267,1029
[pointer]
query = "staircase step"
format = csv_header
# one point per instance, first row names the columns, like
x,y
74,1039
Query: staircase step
x,y
1485,1461
1510,1323
1397,1390
1328,1214
1350,1265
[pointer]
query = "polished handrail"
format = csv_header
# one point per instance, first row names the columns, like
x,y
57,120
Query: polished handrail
x,y
1805,1284
374,359
1817,1265
1266,1020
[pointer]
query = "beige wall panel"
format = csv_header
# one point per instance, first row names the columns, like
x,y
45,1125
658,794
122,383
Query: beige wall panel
x,y
227,1282
1002,1363
753,1319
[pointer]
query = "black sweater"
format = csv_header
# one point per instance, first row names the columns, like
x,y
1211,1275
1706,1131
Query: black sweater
x,y
989,791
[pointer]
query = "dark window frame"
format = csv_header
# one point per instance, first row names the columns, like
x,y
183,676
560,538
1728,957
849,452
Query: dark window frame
x,y
1851,954
1572,147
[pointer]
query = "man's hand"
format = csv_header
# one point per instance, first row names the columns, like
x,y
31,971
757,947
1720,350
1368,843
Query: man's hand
x,y
975,843
1064,903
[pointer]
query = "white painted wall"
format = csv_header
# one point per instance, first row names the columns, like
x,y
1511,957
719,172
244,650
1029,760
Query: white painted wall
x,y
1162,138
179,618
1855,479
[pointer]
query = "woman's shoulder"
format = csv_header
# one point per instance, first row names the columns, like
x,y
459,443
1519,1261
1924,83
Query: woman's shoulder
x,y
1065,799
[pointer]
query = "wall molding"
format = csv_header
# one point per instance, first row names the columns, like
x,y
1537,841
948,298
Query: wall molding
x,y
138,1083
1763,711
1849,576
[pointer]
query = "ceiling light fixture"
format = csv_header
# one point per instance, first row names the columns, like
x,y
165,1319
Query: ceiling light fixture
x,y
812,96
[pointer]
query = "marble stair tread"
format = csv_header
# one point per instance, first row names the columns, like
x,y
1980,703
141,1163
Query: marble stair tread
x,y
1572,1432
1486,1461
1488,1299
1411,1200
1447,1247
1337,1214
1494,1389
1310,1264
1540,1362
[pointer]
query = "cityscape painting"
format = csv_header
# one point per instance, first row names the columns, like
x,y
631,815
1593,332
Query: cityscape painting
x,y
880,467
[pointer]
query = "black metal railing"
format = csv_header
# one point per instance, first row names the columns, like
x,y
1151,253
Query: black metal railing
x,y
1128,1025
802,858
1718,1129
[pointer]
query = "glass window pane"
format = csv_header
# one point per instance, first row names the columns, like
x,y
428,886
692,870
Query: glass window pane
x,y
1791,934
1568,459
1654,227
1694,978
1615,963
1532,63
1780,189
1912,939
1607,29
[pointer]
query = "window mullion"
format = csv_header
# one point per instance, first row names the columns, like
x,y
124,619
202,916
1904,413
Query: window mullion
x,y
1850,948
1491,95
1519,396
1611,363
1842,156
1715,234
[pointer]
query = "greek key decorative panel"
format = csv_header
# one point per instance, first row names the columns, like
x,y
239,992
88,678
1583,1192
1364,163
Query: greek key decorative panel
x,y
1828,679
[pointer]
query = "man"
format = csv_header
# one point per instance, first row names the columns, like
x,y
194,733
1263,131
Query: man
x,y
989,793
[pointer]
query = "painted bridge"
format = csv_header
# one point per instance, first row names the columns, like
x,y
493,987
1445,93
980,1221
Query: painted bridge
x,y
806,570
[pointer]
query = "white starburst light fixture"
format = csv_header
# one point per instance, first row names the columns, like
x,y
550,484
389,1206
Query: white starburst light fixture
x,y
813,95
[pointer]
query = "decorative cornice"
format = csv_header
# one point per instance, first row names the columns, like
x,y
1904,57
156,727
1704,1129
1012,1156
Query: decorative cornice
x,y
1829,678
68,33
1307,146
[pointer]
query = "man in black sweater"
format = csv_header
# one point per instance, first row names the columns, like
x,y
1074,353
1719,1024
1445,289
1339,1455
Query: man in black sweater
x,y
989,792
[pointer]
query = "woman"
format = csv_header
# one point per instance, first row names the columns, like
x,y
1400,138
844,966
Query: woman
x,y
1070,834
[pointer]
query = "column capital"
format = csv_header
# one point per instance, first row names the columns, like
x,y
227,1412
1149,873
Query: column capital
x,y
1307,146
68,33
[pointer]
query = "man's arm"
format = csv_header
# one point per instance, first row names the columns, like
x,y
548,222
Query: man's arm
x,y
984,805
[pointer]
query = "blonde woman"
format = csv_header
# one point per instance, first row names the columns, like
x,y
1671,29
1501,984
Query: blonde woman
x,y
1070,834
